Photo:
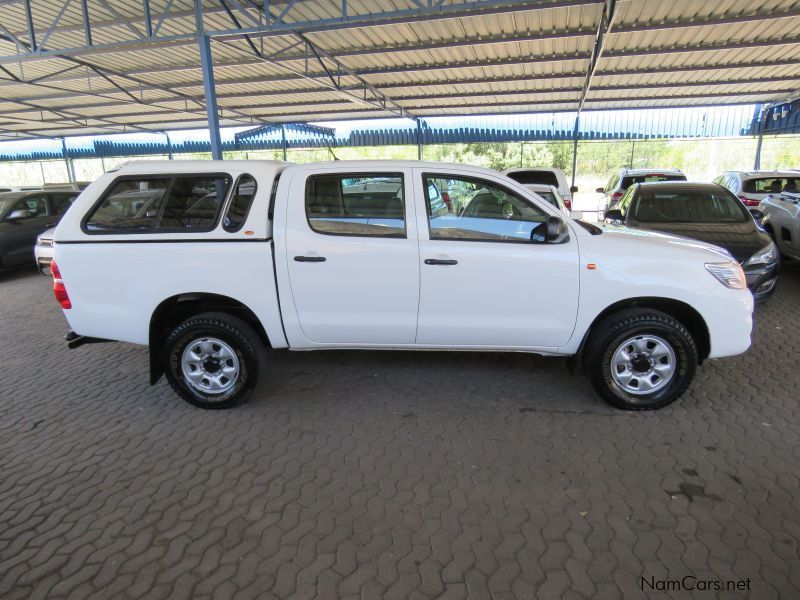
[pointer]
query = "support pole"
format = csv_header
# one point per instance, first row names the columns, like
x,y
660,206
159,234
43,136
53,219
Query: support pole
x,y
283,141
575,147
68,161
419,139
169,145
31,28
209,88
762,121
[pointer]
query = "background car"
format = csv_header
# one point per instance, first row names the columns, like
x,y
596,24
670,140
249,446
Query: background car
x,y
625,178
43,251
547,176
751,187
706,212
781,219
23,216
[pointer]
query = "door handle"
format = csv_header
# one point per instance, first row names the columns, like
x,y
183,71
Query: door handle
x,y
440,261
309,258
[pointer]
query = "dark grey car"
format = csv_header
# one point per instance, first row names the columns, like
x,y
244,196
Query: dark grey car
x,y
23,216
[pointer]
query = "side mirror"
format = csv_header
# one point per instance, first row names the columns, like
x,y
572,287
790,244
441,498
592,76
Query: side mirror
x,y
601,190
614,215
557,231
576,214
18,214
757,214
573,189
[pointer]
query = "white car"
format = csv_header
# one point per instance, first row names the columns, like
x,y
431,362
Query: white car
x,y
547,176
751,187
293,256
43,251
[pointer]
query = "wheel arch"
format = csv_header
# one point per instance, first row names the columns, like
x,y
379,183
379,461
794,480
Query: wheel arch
x,y
180,307
681,311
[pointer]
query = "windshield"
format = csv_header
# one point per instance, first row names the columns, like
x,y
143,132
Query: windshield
x,y
771,185
688,206
649,178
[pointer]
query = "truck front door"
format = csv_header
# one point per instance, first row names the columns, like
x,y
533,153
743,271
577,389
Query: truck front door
x,y
352,257
488,279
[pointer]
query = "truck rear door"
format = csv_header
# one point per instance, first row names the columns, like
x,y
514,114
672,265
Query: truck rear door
x,y
352,258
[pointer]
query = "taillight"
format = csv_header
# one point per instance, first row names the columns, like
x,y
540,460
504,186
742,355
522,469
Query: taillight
x,y
749,202
568,204
447,201
616,195
59,290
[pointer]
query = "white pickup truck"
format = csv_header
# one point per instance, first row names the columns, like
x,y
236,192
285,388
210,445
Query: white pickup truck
x,y
210,263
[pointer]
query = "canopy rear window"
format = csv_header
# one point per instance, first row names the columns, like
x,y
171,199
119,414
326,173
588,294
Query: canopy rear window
x,y
160,203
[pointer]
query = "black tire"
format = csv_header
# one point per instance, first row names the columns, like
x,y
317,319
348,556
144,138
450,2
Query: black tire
x,y
611,333
240,337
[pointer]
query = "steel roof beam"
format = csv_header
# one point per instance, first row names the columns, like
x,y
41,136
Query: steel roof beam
x,y
335,72
456,102
154,70
448,83
275,27
531,37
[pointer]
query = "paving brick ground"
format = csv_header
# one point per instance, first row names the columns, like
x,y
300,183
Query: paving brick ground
x,y
389,475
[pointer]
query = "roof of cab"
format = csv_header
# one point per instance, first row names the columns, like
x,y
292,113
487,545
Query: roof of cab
x,y
275,166
158,167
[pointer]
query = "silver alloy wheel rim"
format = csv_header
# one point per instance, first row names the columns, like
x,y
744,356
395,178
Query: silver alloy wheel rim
x,y
210,365
643,364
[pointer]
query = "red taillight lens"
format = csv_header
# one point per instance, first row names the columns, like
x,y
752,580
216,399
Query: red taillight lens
x,y
447,201
59,290
749,202
568,204
616,195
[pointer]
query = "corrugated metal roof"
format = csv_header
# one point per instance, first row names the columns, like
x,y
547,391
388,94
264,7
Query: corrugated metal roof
x,y
468,58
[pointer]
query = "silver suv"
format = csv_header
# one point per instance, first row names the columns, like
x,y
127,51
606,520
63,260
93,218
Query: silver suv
x,y
625,178
782,221
751,187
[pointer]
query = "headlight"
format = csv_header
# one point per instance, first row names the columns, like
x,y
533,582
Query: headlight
x,y
766,255
729,274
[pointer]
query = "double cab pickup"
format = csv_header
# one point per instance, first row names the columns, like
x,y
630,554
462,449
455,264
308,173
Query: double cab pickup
x,y
210,263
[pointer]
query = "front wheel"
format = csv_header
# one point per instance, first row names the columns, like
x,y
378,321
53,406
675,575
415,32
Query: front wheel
x,y
641,359
212,360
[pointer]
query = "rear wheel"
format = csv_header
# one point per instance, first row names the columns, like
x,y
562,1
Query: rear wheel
x,y
213,360
641,359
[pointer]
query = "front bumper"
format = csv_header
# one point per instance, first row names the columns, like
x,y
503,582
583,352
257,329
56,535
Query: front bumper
x,y
43,251
762,279
729,318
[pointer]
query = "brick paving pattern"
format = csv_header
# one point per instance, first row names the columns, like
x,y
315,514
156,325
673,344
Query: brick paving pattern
x,y
389,474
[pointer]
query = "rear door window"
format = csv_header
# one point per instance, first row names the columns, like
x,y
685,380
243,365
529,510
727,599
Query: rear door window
x,y
356,205
31,207
160,204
